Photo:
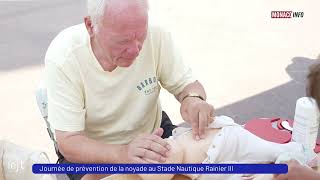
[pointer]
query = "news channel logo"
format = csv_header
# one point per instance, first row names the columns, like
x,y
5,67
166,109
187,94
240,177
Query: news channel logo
x,y
287,14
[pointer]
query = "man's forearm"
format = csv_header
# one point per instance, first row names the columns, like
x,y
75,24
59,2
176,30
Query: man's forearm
x,y
81,149
195,87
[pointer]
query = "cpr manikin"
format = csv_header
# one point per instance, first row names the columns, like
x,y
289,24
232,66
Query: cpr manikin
x,y
225,142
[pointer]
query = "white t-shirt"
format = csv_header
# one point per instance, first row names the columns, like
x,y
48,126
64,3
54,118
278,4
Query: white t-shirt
x,y
111,107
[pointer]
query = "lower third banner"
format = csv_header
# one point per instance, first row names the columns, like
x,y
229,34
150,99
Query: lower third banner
x,y
159,168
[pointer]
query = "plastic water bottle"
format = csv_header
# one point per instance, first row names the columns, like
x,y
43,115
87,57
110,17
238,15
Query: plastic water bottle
x,y
306,122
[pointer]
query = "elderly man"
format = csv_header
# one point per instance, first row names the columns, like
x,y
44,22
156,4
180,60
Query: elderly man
x,y
103,82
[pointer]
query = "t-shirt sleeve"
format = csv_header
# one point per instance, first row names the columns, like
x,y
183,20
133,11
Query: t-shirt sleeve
x,y
66,110
173,73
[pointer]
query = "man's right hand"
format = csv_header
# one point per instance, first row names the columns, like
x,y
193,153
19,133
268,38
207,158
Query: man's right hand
x,y
147,148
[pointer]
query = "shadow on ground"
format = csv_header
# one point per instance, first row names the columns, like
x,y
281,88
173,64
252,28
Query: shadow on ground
x,y
277,102
27,28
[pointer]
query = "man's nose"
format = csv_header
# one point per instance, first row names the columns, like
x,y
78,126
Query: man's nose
x,y
134,49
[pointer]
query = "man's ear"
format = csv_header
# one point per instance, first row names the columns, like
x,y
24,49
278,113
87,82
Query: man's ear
x,y
89,25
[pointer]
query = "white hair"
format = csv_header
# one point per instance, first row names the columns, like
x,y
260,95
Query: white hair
x,y
96,8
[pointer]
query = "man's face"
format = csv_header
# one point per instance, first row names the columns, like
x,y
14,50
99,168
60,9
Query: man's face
x,y
121,36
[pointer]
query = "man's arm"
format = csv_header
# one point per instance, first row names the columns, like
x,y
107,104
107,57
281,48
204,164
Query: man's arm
x,y
195,87
76,147
195,110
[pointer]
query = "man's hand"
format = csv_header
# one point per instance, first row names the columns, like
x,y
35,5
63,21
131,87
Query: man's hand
x,y
198,113
293,166
147,148
297,172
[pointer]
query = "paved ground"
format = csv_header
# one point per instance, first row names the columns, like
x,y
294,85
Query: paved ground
x,y
251,65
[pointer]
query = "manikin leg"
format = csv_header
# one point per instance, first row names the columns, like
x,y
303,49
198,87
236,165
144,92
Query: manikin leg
x,y
236,144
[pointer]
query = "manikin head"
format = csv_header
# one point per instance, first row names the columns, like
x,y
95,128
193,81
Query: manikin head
x,y
117,30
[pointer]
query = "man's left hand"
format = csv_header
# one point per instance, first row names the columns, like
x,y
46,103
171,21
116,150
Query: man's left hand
x,y
198,113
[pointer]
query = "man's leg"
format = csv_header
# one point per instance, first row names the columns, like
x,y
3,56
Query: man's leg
x,y
62,160
81,176
166,125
